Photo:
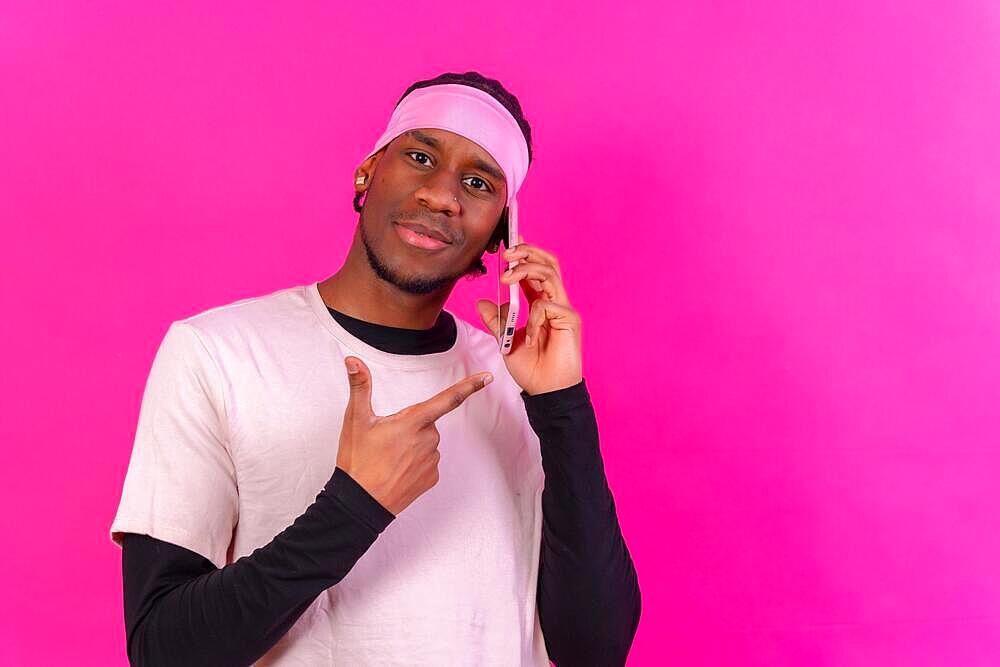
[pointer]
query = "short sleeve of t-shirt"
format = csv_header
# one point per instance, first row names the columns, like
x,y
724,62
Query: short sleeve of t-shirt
x,y
180,486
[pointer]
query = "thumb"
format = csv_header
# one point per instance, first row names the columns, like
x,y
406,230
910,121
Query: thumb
x,y
359,402
491,318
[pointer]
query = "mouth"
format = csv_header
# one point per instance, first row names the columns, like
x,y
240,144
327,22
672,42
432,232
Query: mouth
x,y
420,237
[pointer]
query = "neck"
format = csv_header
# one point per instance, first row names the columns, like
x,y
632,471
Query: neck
x,y
356,290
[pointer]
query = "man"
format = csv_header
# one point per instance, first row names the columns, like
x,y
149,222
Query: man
x,y
457,521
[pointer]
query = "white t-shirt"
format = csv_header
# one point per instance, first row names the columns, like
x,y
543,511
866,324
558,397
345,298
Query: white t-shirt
x,y
238,433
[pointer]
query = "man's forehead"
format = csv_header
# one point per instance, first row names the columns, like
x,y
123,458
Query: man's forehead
x,y
439,139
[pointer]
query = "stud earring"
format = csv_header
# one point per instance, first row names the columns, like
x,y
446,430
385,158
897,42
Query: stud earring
x,y
360,180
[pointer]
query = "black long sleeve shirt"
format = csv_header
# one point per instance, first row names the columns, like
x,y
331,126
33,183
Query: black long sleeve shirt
x,y
182,610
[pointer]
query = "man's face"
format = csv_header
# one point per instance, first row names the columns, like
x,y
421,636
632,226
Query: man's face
x,y
444,182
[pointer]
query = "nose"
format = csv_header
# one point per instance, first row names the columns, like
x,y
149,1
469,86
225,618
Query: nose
x,y
438,192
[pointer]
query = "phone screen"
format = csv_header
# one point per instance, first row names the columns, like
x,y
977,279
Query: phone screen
x,y
508,295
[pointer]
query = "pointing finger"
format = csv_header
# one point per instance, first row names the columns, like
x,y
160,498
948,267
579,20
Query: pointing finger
x,y
447,400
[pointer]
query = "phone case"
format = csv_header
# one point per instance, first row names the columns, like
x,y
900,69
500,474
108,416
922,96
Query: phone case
x,y
506,338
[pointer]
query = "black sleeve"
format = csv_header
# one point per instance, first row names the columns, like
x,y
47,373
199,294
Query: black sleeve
x,y
182,610
588,593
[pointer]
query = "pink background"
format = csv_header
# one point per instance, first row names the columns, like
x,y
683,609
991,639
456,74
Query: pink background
x,y
778,222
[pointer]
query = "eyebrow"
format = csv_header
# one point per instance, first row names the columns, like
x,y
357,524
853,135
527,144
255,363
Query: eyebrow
x,y
478,163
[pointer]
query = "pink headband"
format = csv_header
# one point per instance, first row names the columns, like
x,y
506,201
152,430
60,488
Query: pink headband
x,y
472,113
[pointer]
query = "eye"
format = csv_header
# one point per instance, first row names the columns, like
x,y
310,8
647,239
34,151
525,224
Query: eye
x,y
420,154
479,180
478,183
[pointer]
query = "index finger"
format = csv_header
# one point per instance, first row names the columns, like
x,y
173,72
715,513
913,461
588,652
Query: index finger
x,y
447,400
533,253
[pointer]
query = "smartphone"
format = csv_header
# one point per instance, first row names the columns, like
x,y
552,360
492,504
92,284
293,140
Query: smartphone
x,y
508,295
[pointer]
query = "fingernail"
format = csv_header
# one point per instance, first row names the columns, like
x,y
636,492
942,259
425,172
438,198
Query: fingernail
x,y
352,368
527,340
487,380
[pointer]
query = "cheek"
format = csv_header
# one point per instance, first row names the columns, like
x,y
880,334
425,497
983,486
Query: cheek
x,y
481,234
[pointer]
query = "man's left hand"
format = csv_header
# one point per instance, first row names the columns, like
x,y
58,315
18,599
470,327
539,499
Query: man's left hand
x,y
545,354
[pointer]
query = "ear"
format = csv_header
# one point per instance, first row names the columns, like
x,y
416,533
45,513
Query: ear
x,y
366,171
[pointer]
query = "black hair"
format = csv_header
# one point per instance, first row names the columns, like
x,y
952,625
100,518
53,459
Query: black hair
x,y
501,95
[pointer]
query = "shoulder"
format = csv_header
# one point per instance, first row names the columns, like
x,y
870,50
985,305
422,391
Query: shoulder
x,y
254,315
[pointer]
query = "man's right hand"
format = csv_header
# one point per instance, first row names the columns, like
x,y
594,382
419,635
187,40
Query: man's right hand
x,y
395,458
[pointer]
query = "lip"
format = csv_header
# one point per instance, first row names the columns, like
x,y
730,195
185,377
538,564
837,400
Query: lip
x,y
409,236
424,229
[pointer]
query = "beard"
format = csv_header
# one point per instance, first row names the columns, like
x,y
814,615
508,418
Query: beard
x,y
413,284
